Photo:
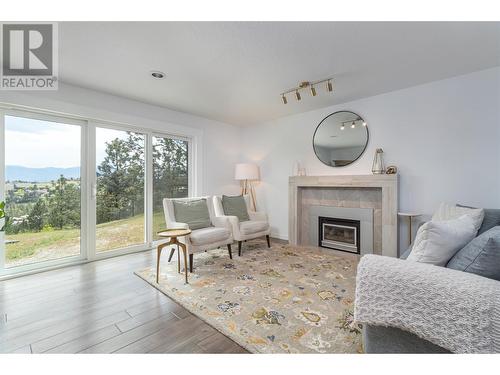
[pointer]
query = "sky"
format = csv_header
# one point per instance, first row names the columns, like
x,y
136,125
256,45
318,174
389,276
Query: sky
x,y
39,144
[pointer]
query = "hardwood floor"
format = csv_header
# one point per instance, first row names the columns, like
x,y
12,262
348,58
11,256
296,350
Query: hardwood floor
x,y
100,307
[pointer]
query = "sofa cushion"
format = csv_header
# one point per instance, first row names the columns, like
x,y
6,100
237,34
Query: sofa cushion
x,y
192,212
447,211
491,218
251,227
209,235
235,206
481,256
437,241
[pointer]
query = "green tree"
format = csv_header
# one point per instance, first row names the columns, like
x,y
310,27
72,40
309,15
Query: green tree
x,y
36,216
120,176
170,170
64,204
120,179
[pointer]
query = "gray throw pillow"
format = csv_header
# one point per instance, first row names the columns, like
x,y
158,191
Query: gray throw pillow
x,y
194,213
235,206
481,256
491,218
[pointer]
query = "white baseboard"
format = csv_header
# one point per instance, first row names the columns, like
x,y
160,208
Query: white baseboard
x,y
275,235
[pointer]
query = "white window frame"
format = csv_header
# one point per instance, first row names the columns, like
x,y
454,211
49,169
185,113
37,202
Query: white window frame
x,y
74,259
88,182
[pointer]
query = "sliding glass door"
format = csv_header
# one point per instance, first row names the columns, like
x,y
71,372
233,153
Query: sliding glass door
x,y
42,192
120,183
77,190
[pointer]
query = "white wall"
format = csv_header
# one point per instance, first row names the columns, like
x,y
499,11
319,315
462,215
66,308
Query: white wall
x,y
443,136
218,142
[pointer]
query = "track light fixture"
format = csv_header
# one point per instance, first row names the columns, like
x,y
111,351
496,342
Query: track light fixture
x,y
353,125
304,85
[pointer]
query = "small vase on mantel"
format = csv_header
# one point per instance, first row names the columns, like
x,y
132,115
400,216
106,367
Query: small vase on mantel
x,y
296,167
298,170
378,163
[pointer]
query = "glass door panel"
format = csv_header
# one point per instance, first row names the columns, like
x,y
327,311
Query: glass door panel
x,y
42,190
170,175
120,173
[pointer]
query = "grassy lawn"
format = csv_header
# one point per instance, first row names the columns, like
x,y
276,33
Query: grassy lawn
x,y
30,243
55,244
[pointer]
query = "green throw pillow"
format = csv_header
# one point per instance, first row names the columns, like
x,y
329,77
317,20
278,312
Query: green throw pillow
x,y
235,206
194,213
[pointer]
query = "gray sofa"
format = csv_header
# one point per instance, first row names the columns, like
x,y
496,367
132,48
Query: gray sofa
x,y
378,339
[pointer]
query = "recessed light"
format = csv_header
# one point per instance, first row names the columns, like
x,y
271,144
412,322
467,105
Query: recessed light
x,y
157,74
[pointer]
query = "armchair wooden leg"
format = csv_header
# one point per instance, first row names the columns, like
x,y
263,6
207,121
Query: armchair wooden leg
x,y
191,261
172,251
268,240
229,250
239,248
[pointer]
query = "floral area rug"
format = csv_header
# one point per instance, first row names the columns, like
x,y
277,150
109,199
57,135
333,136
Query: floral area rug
x,y
286,299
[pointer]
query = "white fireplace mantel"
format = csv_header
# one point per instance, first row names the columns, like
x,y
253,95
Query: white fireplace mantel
x,y
387,183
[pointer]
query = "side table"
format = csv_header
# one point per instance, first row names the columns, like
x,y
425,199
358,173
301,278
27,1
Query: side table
x,y
173,234
410,216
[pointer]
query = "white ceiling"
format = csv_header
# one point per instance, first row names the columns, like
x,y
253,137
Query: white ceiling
x,y
234,72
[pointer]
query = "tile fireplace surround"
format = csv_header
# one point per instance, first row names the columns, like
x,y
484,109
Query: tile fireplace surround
x,y
379,192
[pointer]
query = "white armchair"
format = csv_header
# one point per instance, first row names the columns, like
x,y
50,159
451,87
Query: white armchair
x,y
217,235
257,226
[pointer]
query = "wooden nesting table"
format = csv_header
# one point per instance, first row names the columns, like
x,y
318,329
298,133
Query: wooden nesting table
x,y
173,234
410,216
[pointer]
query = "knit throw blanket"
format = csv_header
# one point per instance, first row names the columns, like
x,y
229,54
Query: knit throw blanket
x,y
456,310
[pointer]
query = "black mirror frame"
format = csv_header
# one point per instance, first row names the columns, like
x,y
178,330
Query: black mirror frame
x,y
362,152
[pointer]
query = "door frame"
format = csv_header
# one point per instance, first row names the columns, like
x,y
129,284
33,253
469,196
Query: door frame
x,y
149,243
88,166
73,259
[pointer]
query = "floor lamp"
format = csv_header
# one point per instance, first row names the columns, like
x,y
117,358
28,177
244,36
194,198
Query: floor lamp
x,y
247,172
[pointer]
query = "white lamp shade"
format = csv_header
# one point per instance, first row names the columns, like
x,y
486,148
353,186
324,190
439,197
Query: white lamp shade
x,y
246,171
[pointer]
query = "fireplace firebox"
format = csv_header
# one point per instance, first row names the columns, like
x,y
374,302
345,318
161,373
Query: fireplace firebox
x,y
339,234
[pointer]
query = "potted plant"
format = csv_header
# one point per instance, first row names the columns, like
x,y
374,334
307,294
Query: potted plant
x,y
2,222
2,215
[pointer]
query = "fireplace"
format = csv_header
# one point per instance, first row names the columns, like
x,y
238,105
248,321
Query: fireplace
x,y
339,234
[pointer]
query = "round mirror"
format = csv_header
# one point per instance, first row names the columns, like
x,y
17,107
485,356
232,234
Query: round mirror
x,y
340,138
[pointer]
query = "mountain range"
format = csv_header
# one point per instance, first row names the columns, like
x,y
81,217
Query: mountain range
x,y
27,174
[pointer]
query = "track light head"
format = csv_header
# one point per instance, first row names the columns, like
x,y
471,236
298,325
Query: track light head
x,y
342,127
329,86
297,95
313,91
353,125
283,98
364,123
